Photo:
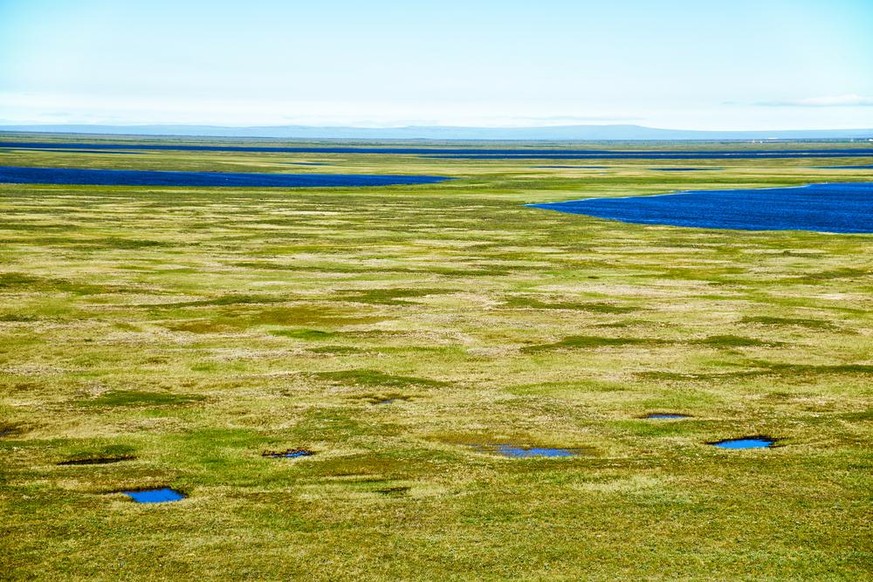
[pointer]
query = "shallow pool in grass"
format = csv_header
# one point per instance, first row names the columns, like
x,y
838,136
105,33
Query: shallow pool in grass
x,y
159,495
834,208
519,452
94,177
750,442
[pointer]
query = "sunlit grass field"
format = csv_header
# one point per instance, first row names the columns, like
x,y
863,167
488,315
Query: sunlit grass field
x,y
401,334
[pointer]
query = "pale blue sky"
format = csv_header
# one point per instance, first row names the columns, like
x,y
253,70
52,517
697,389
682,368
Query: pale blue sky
x,y
738,64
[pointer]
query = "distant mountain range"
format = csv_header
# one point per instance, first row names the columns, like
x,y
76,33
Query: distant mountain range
x,y
556,133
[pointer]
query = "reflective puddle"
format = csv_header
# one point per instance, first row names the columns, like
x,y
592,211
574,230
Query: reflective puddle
x,y
753,442
288,454
665,416
162,495
526,452
98,460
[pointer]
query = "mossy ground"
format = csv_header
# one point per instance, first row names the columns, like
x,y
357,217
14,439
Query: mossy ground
x,y
394,332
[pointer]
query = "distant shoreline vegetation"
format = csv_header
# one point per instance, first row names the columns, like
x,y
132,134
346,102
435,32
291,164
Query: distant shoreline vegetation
x,y
437,151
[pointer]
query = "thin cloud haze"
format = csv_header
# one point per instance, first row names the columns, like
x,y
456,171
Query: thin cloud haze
x,y
740,65
832,101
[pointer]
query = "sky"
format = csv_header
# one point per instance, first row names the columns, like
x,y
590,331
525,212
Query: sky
x,y
717,65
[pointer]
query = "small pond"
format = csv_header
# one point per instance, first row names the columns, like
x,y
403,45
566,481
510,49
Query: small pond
x,y
862,167
288,454
518,452
161,495
574,167
685,169
751,442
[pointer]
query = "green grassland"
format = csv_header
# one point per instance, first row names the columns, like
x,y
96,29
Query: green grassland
x,y
401,332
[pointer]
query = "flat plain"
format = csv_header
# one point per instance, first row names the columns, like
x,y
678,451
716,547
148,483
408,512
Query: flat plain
x,y
169,336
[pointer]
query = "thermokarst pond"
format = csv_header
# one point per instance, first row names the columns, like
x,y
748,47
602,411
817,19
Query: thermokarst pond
x,y
665,416
750,442
518,452
288,454
834,208
685,169
161,495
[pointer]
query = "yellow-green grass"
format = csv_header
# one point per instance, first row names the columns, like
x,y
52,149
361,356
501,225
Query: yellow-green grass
x,y
194,329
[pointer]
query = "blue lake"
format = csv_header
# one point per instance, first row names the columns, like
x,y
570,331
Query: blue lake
x,y
92,177
162,495
468,152
837,208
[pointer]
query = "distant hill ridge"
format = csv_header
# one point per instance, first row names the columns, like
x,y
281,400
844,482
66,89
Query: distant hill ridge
x,y
558,133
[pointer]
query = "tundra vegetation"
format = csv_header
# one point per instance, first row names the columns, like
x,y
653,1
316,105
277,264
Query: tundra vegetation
x,y
329,375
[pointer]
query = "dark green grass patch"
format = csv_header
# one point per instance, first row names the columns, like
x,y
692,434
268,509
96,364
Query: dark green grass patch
x,y
790,321
733,341
304,334
833,274
783,371
21,282
578,342
242,316
140,398
17,317
370,378
224,300
392,296
593,307
337,350
129,243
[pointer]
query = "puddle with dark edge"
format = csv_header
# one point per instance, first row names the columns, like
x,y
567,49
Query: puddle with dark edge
x,y
10,430
749,442
377,400
684,169
574,167
393,491
665,416
162,495
528,452
98,460
867,167
288,454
